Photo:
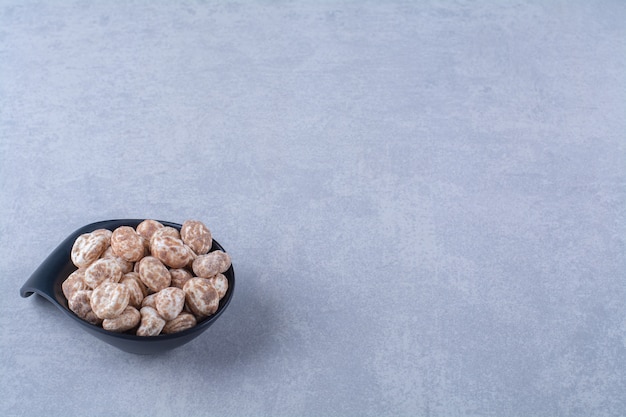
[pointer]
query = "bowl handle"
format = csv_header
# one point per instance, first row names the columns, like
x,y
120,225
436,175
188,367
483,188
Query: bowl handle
x,y
44,281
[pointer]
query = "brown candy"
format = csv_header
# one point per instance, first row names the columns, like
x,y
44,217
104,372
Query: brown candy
x,y
170,302
74,283
129,318
146,229
154,274
102,270
197,236
87,248
220,283
105,233
180,277
170,250
80,304
184,321
125,265
202,298
137,289
127,244
109,299
149,301
151,322
166,231
211,264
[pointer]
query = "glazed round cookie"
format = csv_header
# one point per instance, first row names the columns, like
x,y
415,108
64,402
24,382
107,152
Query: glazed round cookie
x,y
202,298
197,236
154,274
127,244
109,299
87,248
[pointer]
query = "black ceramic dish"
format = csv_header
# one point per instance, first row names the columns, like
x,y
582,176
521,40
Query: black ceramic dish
x,y
48,278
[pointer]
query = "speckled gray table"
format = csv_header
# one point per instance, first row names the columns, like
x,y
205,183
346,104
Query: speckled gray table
x,y
425,202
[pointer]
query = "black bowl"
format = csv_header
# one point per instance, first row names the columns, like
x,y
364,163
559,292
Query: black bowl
x,y
48,278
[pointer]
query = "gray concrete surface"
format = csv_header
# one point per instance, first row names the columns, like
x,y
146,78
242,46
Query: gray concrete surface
x,y
424,201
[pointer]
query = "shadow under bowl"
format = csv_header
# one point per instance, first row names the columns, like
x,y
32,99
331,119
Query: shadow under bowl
x,y
47,281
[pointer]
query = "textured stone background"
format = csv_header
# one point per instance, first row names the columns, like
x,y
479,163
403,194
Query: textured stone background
x,y
425,201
